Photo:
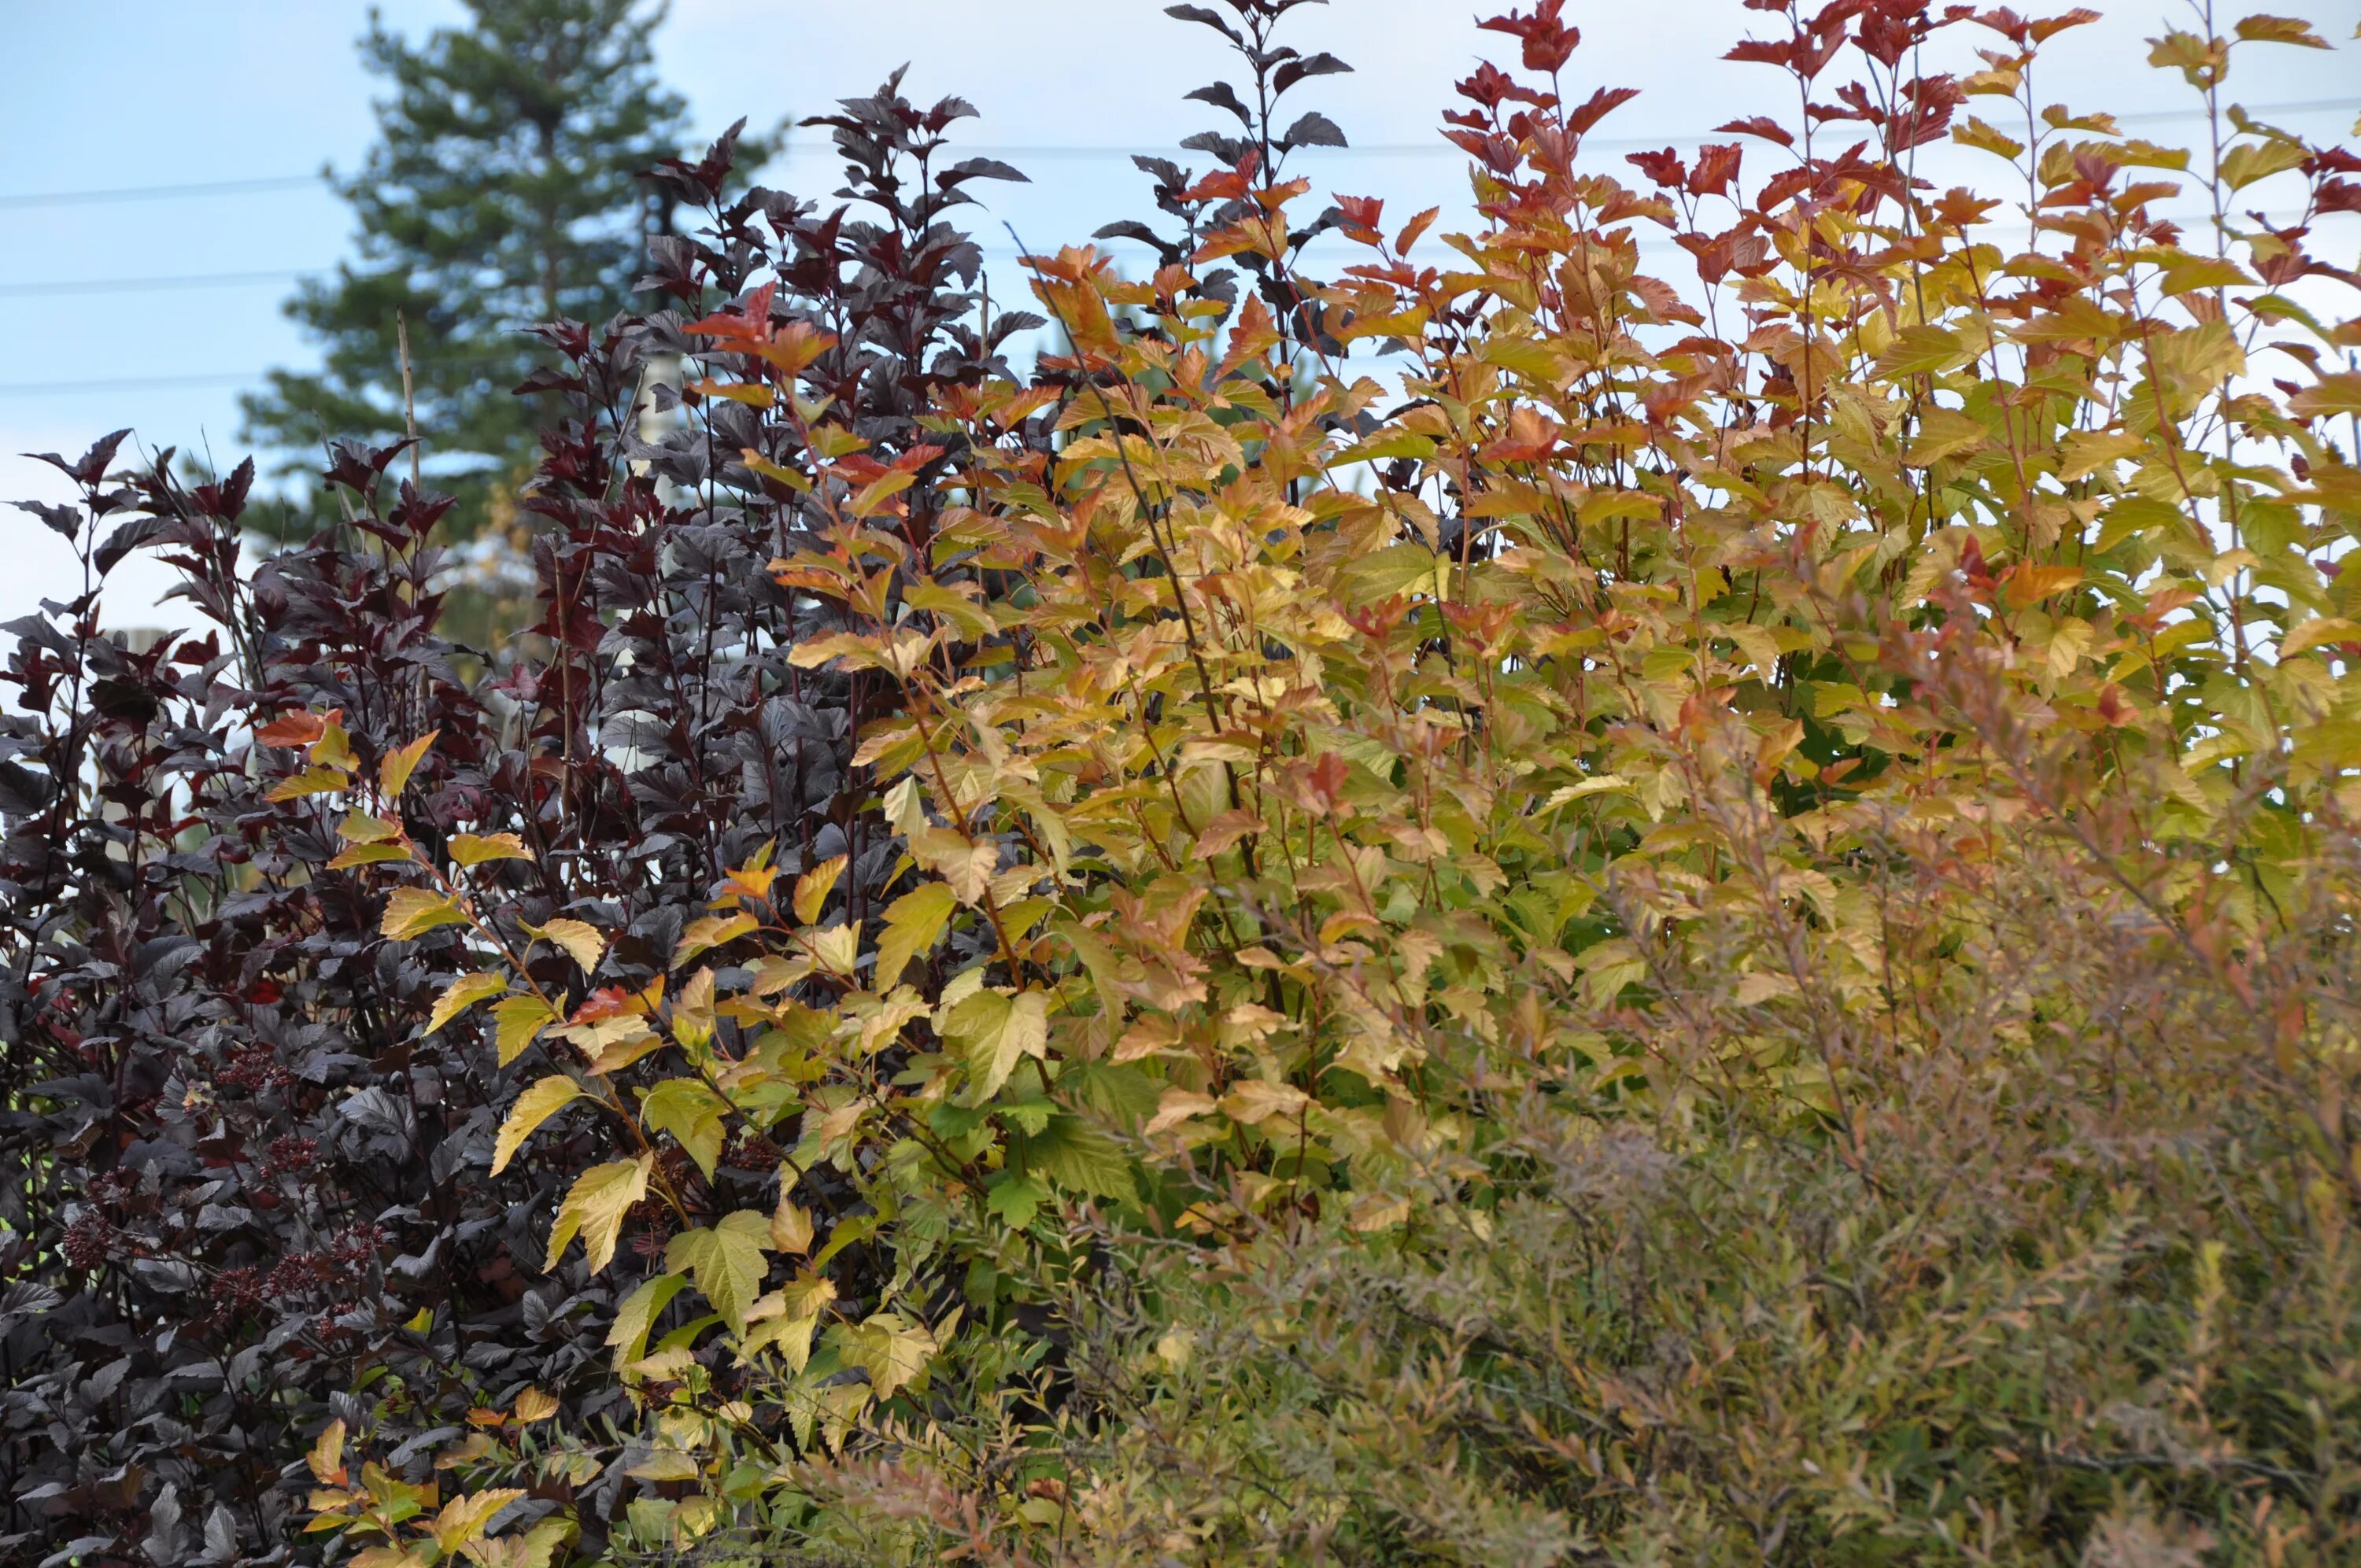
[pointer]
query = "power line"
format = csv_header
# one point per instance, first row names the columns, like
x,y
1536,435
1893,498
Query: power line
x,y
1437,148
132,285
160,192
125,384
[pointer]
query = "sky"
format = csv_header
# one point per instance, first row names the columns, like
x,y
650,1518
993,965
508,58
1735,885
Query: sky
x,y
152,312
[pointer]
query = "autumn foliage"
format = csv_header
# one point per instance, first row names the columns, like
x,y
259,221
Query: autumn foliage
x,y
1490,909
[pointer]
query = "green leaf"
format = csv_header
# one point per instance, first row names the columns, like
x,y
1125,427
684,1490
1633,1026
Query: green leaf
x,y
535,1105
594,1210
637,1315
1015,1198
993,1031
692,1112
913,923
463,993
728,1261
1077,1157
520,1021
414,911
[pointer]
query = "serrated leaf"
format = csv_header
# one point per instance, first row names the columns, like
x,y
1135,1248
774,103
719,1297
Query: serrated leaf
x,y
520,1021
628,1334
537,1104
692,1114
579,938
1076,1156
475,849
2306,635
993,1032
311,781
914,922
463,993
393,773
2268,30
791,1223
369,855
891,1350
360,828
595,1208
966,865
463,1518
413,911
727,1261
709,931
1015,1198
812,888
327,1456
1922,350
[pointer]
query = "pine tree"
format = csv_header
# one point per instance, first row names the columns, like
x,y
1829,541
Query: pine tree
x,y
504,191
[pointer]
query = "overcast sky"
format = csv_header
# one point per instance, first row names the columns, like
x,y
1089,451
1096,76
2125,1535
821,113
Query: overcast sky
x,y
100,95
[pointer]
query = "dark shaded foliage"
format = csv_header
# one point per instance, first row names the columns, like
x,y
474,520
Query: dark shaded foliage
x,y
245,1182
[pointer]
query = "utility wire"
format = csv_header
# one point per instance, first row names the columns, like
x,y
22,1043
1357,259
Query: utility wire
x,y
160,192
1437,148
132,285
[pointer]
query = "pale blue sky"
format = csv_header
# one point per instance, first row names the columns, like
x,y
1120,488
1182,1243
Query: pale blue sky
x,y
98,95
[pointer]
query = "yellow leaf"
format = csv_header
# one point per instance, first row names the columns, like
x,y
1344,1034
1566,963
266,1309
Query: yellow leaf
x,y
913,923
2268,30
535,1105
2085,451
579,938
473,849
791,1223
533,1405
327,1456
2306,635
594,1210
370,855
1944,432
414,911
311,781
835,949
2334,394
1177,1106
709,932
967,866
1256,1101
520,1020
463,1518
812,888
891,1350
393,773
360,828
2029,585
461,994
